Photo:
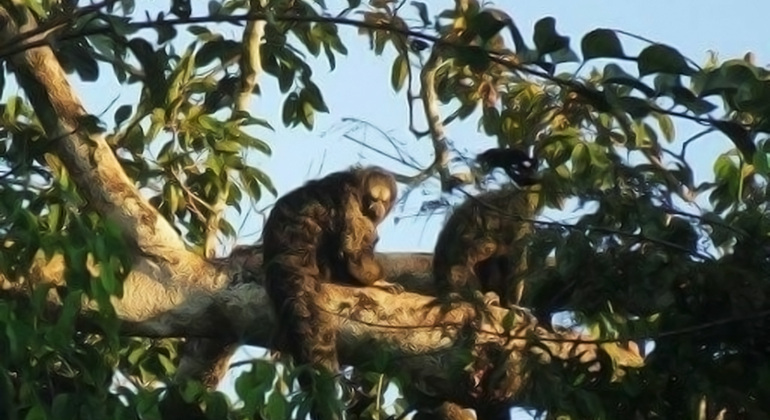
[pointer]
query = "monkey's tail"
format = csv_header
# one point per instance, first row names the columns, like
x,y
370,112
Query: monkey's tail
x,y
305,331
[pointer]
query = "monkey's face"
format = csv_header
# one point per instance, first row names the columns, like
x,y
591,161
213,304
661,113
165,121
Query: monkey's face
x,y
379,196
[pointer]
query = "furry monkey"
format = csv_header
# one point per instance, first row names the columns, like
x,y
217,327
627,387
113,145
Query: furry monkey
x,y
324,231
481,250
481,247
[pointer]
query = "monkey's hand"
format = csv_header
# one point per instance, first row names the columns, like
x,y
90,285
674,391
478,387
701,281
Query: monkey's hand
x,y
389,287
490,298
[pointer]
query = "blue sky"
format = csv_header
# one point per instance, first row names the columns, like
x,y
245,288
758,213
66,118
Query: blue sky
x,y
360,89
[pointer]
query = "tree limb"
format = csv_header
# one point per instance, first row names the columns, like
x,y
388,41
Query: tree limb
x,y
224,299
85,153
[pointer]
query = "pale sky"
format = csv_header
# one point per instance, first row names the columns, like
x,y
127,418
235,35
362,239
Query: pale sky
x,y
359,88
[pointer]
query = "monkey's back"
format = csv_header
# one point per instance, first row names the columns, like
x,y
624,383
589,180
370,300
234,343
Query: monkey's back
x,y
483,226
303,219
298,236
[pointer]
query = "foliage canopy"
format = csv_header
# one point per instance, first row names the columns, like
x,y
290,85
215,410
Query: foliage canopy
x,y
650,259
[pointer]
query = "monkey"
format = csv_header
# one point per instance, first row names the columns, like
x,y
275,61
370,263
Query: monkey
x,y
323,231
481,246
481,250
516,163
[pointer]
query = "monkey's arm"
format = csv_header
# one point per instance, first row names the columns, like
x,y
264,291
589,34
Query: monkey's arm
x,y
359,236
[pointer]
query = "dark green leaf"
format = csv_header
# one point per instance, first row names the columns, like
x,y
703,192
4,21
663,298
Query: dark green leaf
x,y
601,43
637,108
615,74
739,135
289,109
474,56
312,95
546,39
198,30
155,78
660,58
223,49
122,114
423,12
686,98
487,23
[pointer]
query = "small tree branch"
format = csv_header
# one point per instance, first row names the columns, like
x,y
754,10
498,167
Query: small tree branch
x,y
436,127
251,67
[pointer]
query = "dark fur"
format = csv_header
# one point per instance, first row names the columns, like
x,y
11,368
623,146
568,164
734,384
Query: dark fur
x,y
517,164
323,231
481,247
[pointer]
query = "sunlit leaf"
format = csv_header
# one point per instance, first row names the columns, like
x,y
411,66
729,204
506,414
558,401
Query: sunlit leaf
x,y
399,72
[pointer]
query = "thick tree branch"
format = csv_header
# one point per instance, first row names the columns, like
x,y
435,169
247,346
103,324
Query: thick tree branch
x,y
87,157
425,342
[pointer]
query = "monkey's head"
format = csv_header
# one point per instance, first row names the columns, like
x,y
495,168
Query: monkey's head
x,y
517,164
378,193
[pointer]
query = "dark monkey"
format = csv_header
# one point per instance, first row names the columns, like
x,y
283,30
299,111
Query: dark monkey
x,y
481,250
481,247
324,231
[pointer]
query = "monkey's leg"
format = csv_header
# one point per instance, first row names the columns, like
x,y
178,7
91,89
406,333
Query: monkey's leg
x,y
293,289
364,267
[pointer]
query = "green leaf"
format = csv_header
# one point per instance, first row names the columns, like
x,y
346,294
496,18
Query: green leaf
x,y
762,163
636,107
725,168
307,115
290,109
581,158
666,125
313,95
227,146
422,9
36,412
399,72
660,58
216,406
122,114
601,43
546,39
613,73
